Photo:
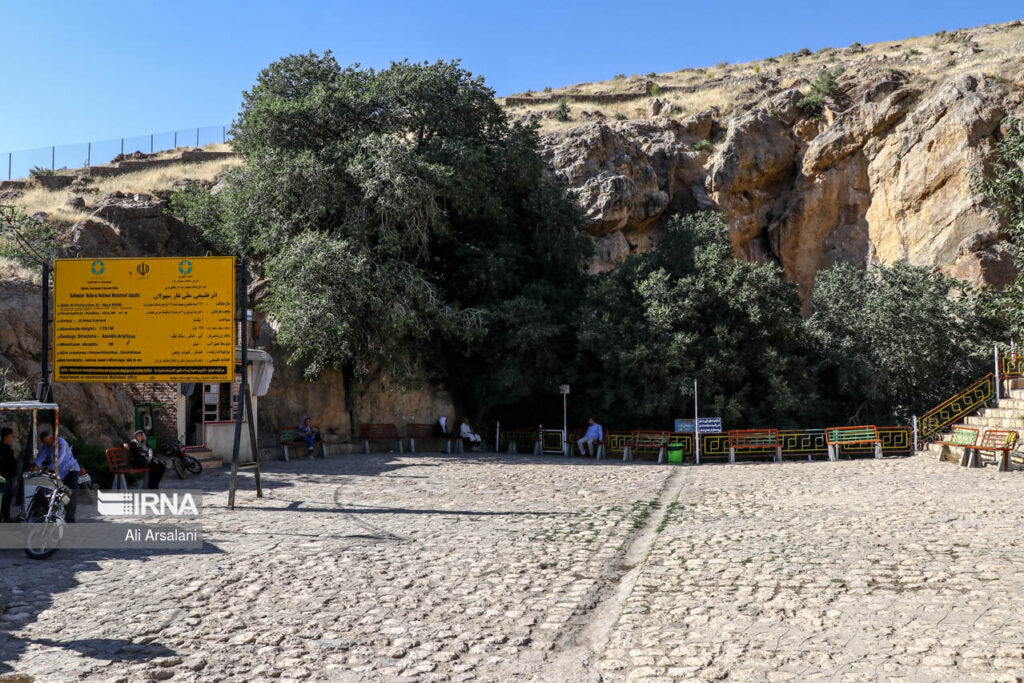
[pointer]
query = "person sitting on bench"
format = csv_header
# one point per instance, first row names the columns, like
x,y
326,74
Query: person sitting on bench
x,y
467,434
306,433
142,456
441,431
595,434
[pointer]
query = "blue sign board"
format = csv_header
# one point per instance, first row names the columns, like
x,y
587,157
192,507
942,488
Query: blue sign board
x,y
708,425
684,426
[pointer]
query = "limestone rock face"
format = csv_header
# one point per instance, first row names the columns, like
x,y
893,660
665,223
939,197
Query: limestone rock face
x,y
630,174
97,413
884,173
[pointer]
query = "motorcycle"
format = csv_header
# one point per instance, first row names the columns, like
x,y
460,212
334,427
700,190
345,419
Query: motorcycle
x,y
181,460
44,510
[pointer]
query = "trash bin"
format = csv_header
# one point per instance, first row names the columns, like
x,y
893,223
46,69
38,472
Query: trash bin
x,y
675,454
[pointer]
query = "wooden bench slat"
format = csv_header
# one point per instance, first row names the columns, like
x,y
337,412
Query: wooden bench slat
x,y
838,436
961,436
375,432
753,438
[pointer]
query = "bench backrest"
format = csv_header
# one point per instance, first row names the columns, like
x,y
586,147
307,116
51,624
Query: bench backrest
x,y
646,437
753,438
378,431
118,458
963,436
416,430
858,434
998,439
290,435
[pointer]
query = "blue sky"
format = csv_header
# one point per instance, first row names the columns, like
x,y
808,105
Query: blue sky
x,y
78,71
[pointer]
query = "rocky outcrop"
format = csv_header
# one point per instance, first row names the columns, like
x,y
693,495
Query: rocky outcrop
x,y
884,173
630,174
128,225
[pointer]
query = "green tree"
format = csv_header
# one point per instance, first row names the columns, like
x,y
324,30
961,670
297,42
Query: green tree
x,y
405,224
690,309
895,341
1003,186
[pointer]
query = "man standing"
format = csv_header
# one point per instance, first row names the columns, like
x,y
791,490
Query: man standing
x,y
594,435
9,471
67,467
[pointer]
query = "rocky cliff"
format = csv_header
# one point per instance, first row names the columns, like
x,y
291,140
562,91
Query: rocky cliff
x,y
881,172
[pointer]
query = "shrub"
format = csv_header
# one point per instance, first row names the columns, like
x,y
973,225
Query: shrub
x,y
803,52
651,75
701,144
39,170
772,60
655,89
722,64
563,112
619,116
822,87
619,77
547,88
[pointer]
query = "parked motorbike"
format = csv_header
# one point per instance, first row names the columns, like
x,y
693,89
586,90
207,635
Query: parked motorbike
x,y
181,460
44,511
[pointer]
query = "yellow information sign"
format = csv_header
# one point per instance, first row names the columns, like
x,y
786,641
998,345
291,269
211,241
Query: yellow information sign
x,y
144,319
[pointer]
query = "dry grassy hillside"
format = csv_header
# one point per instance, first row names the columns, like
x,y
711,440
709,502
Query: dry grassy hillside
x,y
729,86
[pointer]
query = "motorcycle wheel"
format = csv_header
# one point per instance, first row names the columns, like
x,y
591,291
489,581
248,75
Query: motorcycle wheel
x,y
193,465
43,539
179,467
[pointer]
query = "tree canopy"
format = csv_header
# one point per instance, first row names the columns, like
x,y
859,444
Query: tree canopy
x,y
405,224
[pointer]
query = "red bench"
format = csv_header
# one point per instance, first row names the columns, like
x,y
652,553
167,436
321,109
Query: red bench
x,y
119,462
754,439
416,430
647,441
379,432
576,434
998,442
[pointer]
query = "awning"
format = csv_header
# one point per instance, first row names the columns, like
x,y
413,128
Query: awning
x,y
28,405
262,369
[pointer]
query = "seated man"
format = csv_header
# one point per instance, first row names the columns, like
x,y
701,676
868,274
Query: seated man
x,y
308,434
467,434
595,434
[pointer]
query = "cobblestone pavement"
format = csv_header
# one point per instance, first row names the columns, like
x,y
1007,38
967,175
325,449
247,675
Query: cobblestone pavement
x,y
512,567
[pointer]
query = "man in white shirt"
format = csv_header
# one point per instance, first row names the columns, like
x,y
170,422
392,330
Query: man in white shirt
x,y
466,432
595,434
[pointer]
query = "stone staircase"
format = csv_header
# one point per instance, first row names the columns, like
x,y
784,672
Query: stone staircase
x,y
1006,413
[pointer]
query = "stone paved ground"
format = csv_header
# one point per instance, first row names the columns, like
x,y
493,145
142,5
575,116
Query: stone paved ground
x,y
512,567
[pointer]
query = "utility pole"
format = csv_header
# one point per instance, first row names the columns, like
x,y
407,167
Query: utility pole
x,y
696,423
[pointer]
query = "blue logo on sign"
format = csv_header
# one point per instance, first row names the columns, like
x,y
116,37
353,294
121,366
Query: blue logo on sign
x,y
97,268
185,267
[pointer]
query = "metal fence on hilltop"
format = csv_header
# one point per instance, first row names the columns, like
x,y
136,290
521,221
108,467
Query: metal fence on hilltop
x,y
56,157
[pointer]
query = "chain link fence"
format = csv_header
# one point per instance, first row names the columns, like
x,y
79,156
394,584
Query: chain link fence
x,y
20,164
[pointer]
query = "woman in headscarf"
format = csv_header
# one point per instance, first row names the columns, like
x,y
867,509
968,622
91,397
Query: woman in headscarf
x,y
142,456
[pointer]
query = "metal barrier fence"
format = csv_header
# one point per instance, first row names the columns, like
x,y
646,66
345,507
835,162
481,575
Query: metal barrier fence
x,y
81,155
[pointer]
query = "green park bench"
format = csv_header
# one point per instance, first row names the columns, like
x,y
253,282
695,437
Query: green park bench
x,y
290,437
837,437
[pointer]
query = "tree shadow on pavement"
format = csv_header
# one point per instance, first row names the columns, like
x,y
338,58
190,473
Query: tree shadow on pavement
x,y
30,587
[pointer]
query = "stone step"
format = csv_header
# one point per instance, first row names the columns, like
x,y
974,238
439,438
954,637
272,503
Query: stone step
x,y
207,458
